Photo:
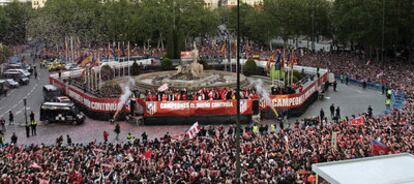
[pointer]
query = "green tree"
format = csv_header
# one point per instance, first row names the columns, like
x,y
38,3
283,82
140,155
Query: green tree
x,y
250,68
4,53
107,73
135,69
166,64
13,20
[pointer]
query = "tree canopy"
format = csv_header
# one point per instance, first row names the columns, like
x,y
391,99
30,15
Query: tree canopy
x,y
172,23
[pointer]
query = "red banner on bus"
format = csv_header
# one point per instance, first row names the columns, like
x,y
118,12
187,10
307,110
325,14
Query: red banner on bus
x,y
197,108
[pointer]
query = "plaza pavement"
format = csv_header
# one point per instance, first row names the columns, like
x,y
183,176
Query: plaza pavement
x,y
351,99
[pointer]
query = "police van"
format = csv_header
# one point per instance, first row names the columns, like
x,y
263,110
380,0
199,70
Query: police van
x,y
61,112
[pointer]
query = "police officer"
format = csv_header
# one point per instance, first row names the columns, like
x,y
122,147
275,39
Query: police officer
x,y
130,138
388,104
273,128
389,93
255,129
33,125
28,129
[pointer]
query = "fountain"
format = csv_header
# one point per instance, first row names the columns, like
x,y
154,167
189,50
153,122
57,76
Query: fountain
x,y
126,92
190,76
264,94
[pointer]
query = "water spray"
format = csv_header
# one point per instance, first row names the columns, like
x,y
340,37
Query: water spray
x,y
126,92
264,95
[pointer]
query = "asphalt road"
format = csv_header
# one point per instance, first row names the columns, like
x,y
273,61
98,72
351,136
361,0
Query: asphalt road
x,y
32,92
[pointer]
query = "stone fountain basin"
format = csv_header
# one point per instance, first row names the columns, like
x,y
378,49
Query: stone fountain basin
x,y
209,79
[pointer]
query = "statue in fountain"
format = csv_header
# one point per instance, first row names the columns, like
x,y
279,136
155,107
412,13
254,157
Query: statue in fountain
x,y
196,68
190,71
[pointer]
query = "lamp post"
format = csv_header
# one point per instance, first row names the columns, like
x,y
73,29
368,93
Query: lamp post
x,y
25,109
238,97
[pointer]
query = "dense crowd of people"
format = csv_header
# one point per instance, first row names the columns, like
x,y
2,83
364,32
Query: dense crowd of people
x,y
269,153
202,94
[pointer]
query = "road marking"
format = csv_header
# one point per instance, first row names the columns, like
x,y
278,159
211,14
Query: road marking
x,y
327,97
31,91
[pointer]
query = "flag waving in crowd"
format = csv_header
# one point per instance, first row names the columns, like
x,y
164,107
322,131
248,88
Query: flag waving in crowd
x,y
377,148
193,130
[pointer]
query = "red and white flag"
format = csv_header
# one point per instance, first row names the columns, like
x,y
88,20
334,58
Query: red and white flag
x,y
193,130
358,121
163,87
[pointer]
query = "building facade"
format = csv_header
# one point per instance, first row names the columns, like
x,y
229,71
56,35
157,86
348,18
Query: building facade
x,y
231,3
38,4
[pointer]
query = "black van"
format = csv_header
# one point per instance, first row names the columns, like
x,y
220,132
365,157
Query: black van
x,y
17,76
61,112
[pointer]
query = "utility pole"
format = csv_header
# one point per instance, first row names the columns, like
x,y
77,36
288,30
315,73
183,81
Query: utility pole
x,y
238,97
383,30
382,40
313,27
25,109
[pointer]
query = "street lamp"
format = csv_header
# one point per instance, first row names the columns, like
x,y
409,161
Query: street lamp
x,y
238,97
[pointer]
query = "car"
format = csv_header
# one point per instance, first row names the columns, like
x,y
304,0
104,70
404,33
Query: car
x,y
16,76
14,66
24,81
24,72
3,88
12,83
55,66
44,63
71,66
